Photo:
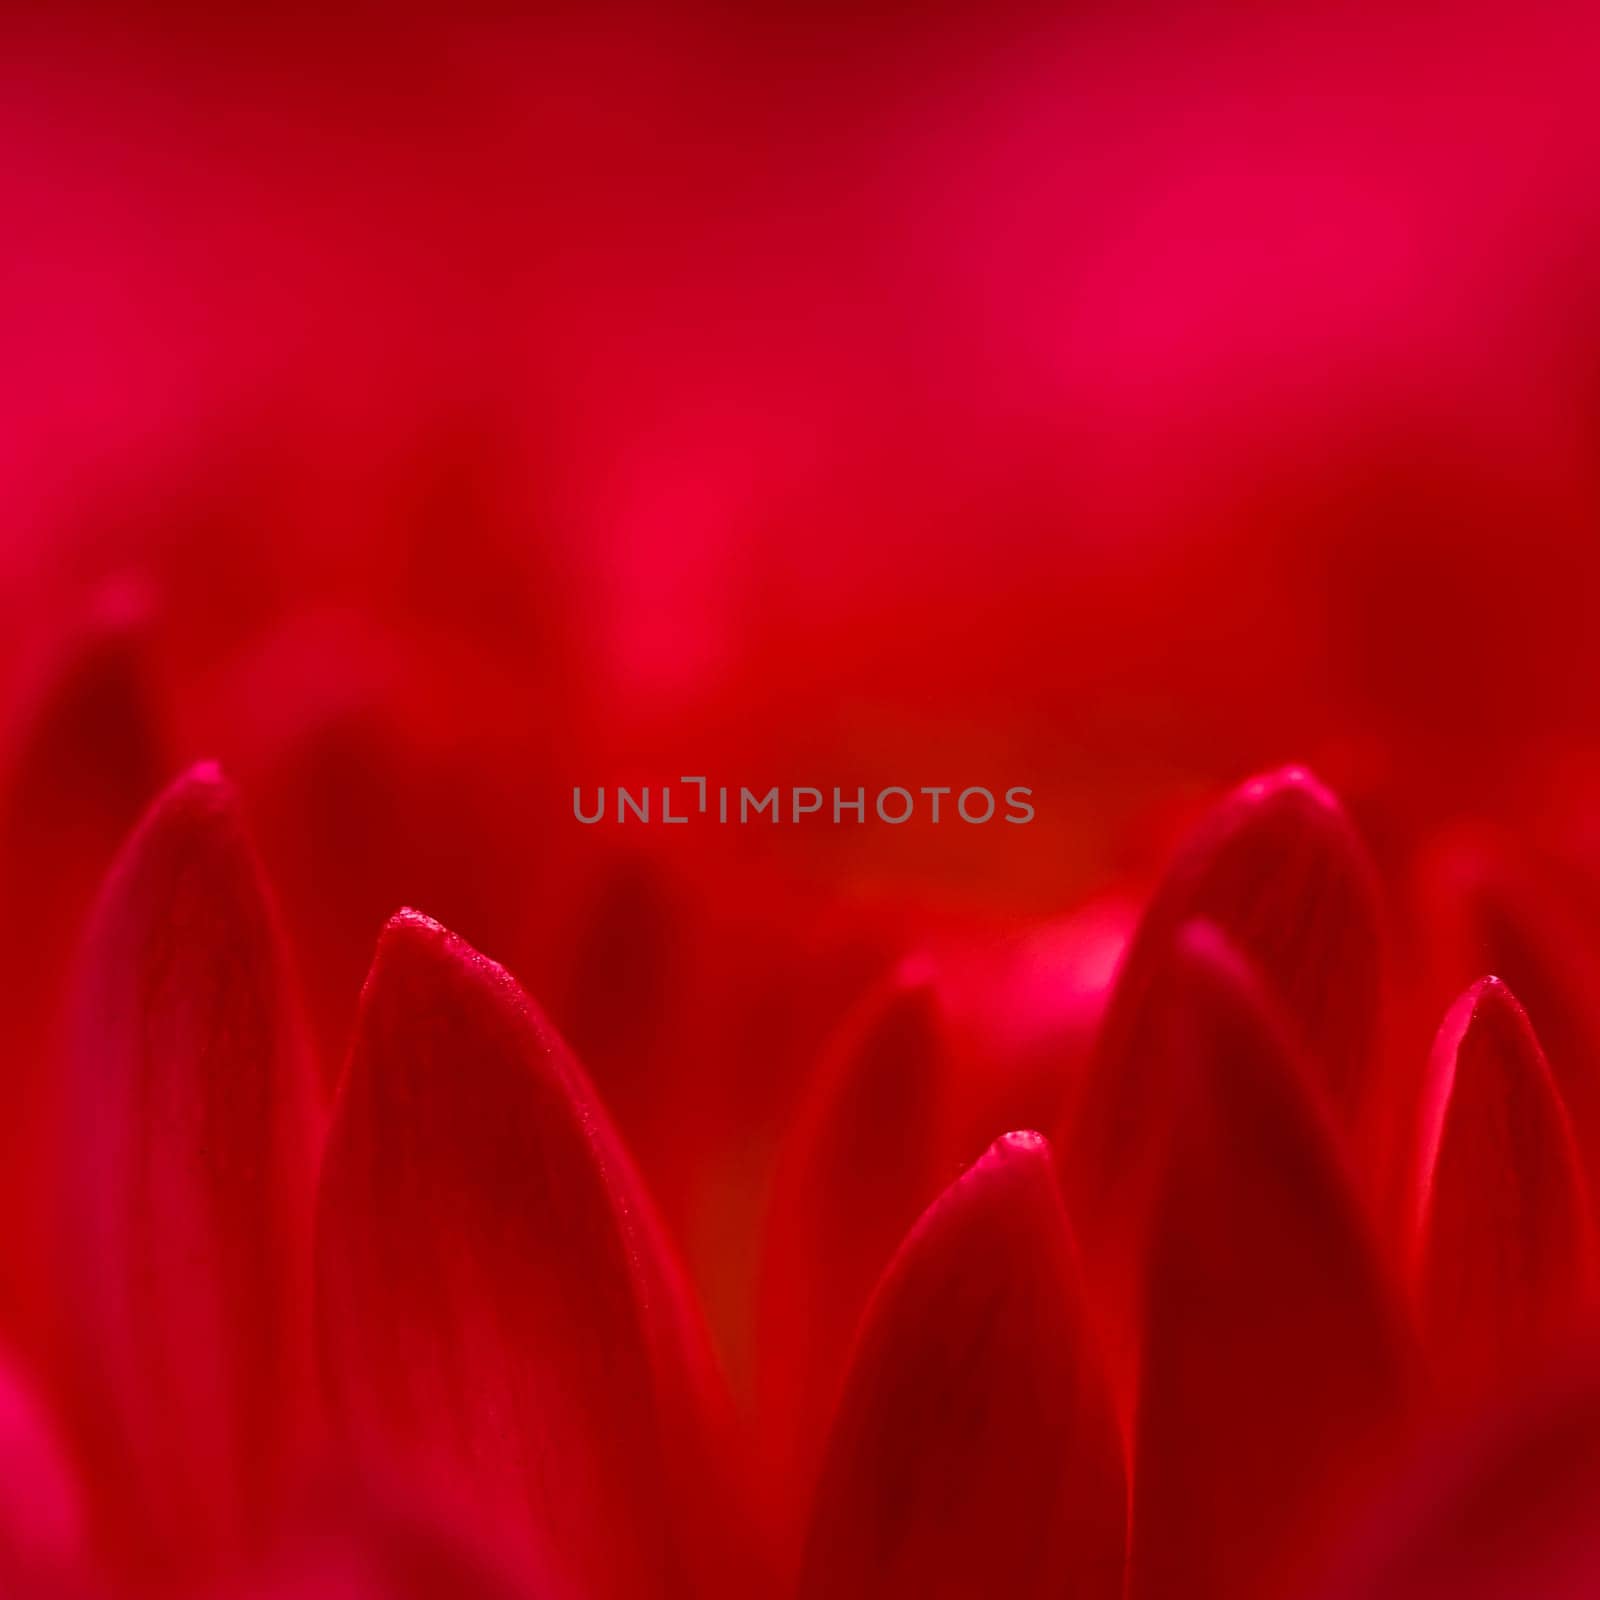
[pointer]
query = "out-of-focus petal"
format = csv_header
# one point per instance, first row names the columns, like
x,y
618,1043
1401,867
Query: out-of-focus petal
x,y
1279,869
1492,914
86,759
974,1451
189,1145
860,1164
1276,1361
1504,1261
1509,1512
499,1316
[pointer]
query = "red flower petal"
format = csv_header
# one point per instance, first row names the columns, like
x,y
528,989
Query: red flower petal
x,y
499,1317
190,1149
974,1451
1505,1255
1275,1362
1280,870
1498,918
1511,1513
85,762
857,1169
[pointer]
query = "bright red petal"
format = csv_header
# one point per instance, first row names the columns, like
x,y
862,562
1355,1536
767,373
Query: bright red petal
x,y
1505,1256
974,1451
499,1318
189,1158
1275,1361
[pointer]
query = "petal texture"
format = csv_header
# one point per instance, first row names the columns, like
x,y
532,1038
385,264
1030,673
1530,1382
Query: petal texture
x,y
499,1318
974,1451
1504,1250
1275,1362
189,1154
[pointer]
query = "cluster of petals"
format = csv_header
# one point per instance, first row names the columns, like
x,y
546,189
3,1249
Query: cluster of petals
x,y
1259,1295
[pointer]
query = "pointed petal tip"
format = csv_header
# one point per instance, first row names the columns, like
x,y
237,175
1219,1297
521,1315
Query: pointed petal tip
x,y
1486,1004
1023,1147
202,778
1024,1163
1294,783
410,924
1016,1173
200,807
1492,993
412,940
1297,796
203,784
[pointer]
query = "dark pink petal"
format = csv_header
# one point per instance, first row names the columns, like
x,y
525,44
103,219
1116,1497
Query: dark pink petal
x,y
1275,1361
857,1169
1504,1258
974,1451
1279,869
188,1155
499,1317
1510,1512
